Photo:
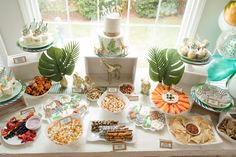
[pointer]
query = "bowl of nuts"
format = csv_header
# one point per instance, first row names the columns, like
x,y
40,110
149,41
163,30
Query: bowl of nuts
x,y
38,87
113,102
93,94
126,88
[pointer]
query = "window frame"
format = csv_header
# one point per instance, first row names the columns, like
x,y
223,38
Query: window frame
x,y
3,53
188,26
191,20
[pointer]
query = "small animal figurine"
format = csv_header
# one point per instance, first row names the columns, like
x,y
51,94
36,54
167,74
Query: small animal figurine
x,y
80,83
88,84
145,87
123,47
112,69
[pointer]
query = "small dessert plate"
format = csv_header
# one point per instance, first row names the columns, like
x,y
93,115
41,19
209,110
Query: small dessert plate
x,y
126,88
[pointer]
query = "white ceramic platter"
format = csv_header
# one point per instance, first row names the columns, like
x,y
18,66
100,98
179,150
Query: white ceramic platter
x,y
94,136
218,140
223,134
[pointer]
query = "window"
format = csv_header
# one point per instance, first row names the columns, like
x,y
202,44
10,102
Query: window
x,y
145,23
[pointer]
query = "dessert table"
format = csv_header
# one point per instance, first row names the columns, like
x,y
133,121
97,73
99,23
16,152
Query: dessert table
x,y
147,144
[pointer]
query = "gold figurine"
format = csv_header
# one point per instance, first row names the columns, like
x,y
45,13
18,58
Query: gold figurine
x,y
112,69
80,83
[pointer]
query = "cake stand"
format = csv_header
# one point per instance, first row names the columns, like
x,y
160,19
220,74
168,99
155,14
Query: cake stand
x,y
35,48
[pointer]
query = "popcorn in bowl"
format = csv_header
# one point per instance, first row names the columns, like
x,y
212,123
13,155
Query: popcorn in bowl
x,y
65,131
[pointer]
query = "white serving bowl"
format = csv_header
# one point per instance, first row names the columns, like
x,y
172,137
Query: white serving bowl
x,y
35,97
34,119
223,134
127,83
118,94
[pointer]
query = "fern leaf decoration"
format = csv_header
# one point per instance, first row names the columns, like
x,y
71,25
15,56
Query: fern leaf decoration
x,y
71,53
165,66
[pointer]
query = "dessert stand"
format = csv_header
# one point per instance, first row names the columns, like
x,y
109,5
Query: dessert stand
x,y
112,56
17,101
7,102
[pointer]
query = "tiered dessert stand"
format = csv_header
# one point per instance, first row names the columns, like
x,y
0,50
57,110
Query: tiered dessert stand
x,y
111,65
17,91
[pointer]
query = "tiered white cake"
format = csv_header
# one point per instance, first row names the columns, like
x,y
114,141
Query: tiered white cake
x,y
111,39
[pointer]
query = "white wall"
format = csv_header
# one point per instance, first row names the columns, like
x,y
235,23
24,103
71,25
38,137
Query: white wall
x,y
11,22
208,27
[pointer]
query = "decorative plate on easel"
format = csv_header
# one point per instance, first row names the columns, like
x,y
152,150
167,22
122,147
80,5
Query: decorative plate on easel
x,y
212,98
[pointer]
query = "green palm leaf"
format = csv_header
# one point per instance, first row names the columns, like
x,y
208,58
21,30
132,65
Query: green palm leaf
x,y
156,64
57,62
71,54
165,66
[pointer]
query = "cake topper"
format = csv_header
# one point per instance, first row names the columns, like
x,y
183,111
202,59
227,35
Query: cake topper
x,y
36,28
112,10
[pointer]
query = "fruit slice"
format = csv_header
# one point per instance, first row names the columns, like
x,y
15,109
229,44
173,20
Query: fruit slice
x,y
158,91
185,105
165,107
156,97
172,109
184,100
177,110
182,108
183,96
159,105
